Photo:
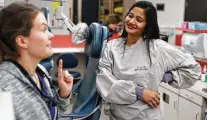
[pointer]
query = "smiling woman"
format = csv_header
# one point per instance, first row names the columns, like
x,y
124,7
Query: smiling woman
x,y
135,23
24,42
133,66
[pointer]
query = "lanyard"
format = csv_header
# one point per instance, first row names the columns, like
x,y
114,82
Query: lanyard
x,y
48,99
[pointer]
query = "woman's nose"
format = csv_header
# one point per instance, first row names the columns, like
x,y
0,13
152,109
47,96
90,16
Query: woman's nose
x,y
50,35
132,20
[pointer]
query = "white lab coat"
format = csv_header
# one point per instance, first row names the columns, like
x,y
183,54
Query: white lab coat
x,y
121,72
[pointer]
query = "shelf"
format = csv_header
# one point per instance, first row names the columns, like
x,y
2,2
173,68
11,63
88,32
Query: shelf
x,y
203,60
191,31
64,41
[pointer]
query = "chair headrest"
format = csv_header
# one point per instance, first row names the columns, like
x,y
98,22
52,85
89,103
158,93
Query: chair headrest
x,y
47,63
94,42
69,60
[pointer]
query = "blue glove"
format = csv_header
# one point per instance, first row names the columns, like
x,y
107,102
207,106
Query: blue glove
x,y
139,92
168,77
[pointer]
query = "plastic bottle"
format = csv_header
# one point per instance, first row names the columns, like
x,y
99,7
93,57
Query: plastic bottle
x,y
204,74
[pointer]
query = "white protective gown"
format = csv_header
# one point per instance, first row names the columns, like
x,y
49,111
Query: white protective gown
x,y
121,72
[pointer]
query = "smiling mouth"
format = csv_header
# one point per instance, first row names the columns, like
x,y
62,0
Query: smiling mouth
x,y
131,27
50,45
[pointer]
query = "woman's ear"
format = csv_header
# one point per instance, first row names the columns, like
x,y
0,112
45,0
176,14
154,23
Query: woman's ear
x,y
21,41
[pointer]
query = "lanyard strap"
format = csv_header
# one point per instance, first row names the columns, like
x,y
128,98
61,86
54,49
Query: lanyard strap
x,y
48,99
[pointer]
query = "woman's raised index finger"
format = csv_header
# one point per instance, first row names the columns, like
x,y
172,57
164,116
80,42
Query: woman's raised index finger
x,y
60,67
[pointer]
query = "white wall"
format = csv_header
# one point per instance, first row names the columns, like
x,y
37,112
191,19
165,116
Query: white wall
x,y
171,17
1,3
41,4
173,14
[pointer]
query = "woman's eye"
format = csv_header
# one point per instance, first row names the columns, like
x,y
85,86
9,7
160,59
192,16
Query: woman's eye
x,y
139,21
130,15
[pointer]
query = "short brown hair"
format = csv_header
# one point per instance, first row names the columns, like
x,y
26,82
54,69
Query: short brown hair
x,y
15,19
114,19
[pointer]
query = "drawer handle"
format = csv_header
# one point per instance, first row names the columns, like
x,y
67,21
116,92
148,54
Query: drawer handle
x,y
197,116
176,104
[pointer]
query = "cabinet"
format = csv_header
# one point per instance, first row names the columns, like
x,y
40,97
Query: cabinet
x,y
90,11
192,104
195,11
189,110
181,104
169,104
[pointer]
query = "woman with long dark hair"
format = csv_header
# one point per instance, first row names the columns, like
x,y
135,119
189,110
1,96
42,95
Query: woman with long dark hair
x,y
133,66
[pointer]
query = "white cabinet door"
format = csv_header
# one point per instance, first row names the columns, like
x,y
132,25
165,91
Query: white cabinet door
x,y
169,103
188,110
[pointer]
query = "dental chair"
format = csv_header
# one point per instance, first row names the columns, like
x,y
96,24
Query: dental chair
x,y
70,61
47,63
87,103
164,37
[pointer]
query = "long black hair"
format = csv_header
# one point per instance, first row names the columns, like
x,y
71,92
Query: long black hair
x,y
151,30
